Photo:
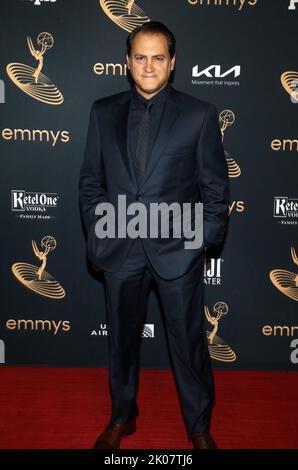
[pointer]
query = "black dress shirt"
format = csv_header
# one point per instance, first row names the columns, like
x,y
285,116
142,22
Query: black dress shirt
x,y
137,108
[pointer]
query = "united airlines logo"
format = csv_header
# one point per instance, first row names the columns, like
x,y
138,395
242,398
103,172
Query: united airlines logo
x,y
147,332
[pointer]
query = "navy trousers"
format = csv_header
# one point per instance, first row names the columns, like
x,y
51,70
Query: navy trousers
x,y
182,304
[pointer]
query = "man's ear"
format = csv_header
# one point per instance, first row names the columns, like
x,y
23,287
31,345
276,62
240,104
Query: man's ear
x,y
127,61
173,62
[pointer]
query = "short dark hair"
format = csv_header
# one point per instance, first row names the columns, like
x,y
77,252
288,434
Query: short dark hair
x,y
153,27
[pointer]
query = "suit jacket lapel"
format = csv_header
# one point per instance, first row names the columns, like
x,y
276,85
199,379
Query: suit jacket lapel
x,y
170,115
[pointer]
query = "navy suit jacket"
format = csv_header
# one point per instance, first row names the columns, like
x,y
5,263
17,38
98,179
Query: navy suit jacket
x,y
187,164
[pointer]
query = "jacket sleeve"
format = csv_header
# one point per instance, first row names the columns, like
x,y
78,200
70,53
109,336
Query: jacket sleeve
x,y
92,183
213,179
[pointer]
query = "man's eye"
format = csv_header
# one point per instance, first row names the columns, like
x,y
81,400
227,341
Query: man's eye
x,y
139,58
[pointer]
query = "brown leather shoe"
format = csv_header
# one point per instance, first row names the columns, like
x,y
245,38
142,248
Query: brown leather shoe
x,y
111,437
203,440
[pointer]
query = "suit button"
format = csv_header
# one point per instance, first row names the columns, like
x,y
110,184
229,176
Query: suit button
x,y
139,198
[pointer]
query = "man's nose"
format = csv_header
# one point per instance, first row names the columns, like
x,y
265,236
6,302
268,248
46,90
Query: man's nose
x,y
149,65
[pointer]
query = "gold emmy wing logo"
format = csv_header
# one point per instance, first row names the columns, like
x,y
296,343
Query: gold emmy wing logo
x,y
227,119
31,80
286,281
289,81
125,14
217,348
36,278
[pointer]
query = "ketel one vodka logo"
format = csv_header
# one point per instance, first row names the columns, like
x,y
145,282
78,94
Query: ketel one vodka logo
x,y
125,13
22,201
37,278
218,349
286,281
227,119
31,80
286,210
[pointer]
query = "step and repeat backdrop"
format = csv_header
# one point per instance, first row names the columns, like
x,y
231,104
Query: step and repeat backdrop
x,y
57,57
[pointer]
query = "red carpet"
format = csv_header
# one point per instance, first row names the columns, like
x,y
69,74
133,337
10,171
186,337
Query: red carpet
x,y
44,408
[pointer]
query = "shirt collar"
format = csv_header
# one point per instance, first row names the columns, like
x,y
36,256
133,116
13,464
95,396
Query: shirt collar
x,y
158,99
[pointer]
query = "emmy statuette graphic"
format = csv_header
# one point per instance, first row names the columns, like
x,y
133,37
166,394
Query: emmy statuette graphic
x,y
125,14
36,278
286,281
227,119
217,348
32,81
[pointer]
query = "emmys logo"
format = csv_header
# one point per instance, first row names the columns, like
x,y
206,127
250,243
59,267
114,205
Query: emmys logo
x,y
214,71
227,119
51,326
286,281
218,3
285,145
289,81
124,13
284,331
32,81
292,5
280,330
217,348
212,271
286,210
35,135
36,278
2,352
238,206
2,92
39,2
110,69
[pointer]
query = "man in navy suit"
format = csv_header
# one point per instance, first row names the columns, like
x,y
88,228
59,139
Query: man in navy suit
x,y
154,145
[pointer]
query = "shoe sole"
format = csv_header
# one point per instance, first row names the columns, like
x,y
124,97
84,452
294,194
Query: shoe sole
x,y
128,433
